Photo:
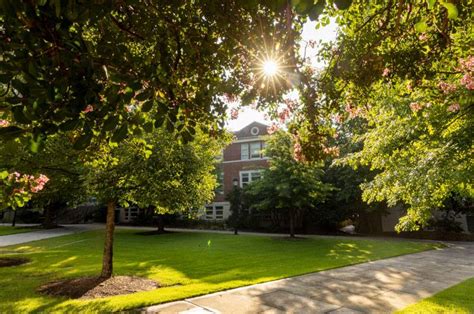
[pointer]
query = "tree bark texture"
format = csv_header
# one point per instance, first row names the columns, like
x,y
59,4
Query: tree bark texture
x,y
107,259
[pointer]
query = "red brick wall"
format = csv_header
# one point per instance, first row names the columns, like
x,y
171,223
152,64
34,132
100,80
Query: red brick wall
x,y
231,172
232,153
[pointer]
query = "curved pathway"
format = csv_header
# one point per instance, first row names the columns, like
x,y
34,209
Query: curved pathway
x,y
25,237
381,286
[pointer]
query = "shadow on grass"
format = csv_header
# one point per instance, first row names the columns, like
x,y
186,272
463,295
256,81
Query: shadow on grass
x,y
192,263
153,233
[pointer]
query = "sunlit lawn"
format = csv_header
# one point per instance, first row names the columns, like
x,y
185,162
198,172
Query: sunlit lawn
x,y
458,299
6,230
187,264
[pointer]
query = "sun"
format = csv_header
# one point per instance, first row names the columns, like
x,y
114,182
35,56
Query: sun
x,y
270,67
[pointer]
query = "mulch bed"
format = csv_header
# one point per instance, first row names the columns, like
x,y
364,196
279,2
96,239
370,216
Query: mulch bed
x,y
96,287
12,261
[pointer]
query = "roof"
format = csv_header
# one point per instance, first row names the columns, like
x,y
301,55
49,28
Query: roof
x,y
253,129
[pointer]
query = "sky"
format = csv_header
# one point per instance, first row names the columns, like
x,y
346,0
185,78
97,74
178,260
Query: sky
x,y
325,34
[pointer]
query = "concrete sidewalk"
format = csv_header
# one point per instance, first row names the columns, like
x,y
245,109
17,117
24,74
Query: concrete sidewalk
x,y
381,286
25,237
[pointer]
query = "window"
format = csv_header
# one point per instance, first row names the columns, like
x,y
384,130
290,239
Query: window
x,y
254,131
214,212
209,212
255,150
220,182
248,176
244,151
255,176
131,213
244,179
252,150
219,212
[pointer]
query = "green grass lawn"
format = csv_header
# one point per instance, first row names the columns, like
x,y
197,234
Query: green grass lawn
x,y
6,230
187,264
458,299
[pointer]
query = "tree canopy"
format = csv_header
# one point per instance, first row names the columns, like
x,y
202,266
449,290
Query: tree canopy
x,y
153,171
406,69
288,185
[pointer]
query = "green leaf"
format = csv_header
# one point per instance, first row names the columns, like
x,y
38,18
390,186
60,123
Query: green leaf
x,y
3,174
137,132
147,105
143,96
302,7
35,144
316,10
170,126
343,4
110,123
120,134
83,141
159,122
19,115
452,10
421,26
148,127
69,125
430,3
187,137
57,5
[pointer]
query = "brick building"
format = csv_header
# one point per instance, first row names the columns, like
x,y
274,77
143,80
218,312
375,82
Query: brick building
x,y
242,163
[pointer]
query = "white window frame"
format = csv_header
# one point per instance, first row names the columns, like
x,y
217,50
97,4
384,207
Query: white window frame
x,y
246,150
221,209
130,213
211,211
207,215
249,172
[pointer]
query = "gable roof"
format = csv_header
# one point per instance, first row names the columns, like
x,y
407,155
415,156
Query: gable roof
x,y
246,131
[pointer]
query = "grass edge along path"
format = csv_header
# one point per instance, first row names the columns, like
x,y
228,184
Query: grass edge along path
x,y
8,230
185,264
458,299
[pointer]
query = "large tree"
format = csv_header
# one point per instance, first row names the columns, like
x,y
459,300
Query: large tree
x,y
154,171
177,177
75,65
290,185
407,69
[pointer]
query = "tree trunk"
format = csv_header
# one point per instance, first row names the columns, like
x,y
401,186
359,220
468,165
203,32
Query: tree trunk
x,y
107,259
292,224
237,222
48,217
161,224
14,218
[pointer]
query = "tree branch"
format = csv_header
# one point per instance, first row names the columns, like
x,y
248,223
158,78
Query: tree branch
x,y
127,30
